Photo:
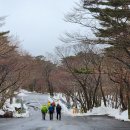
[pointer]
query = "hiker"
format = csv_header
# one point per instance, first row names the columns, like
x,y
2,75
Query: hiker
x,y
44,110
54,105
58,111
49,104
51,111
75,110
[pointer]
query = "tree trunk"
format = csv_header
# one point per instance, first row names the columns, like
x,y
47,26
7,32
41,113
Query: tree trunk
x,y
116,99
103,95
121,98
94,96
50,88
11,100
128,99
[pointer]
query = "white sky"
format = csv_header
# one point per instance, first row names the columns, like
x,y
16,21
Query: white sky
x,y
37,23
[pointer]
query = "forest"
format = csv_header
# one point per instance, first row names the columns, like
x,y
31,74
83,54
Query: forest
x,y
90,69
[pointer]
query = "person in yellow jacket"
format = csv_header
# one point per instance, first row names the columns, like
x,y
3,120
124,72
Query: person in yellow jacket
x,y
49,104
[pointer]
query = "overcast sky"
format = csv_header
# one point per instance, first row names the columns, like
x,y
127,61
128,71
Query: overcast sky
x,y
37,23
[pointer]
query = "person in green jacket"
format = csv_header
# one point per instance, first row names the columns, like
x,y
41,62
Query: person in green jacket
x,y
44,110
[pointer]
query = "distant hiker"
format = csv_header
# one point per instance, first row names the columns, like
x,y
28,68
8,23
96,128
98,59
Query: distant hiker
x,y
51,111
58,111
54,105
75,110
44,110
49,103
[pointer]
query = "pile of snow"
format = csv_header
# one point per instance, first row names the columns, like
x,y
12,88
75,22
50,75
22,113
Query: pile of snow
x,y
109,111
2,112
8,107
105,111
15,107
64,108
12,108
24,91
21,94
18,115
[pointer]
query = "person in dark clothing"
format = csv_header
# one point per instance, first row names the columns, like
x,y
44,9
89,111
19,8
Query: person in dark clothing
x,y
51,111
58,111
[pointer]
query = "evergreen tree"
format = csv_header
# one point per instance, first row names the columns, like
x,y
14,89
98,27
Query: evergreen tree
x,y
114,29
114,16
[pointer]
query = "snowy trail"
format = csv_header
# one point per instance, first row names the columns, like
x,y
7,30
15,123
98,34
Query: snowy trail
x,y
35,122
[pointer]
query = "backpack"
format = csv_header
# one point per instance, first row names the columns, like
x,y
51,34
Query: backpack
x,y
44,109
51,109
58,108
53,104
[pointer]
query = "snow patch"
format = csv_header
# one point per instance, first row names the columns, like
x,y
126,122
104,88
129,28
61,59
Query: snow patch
x,y
106,111
24,91
16,107
2,112
21,94
21,115
109,111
